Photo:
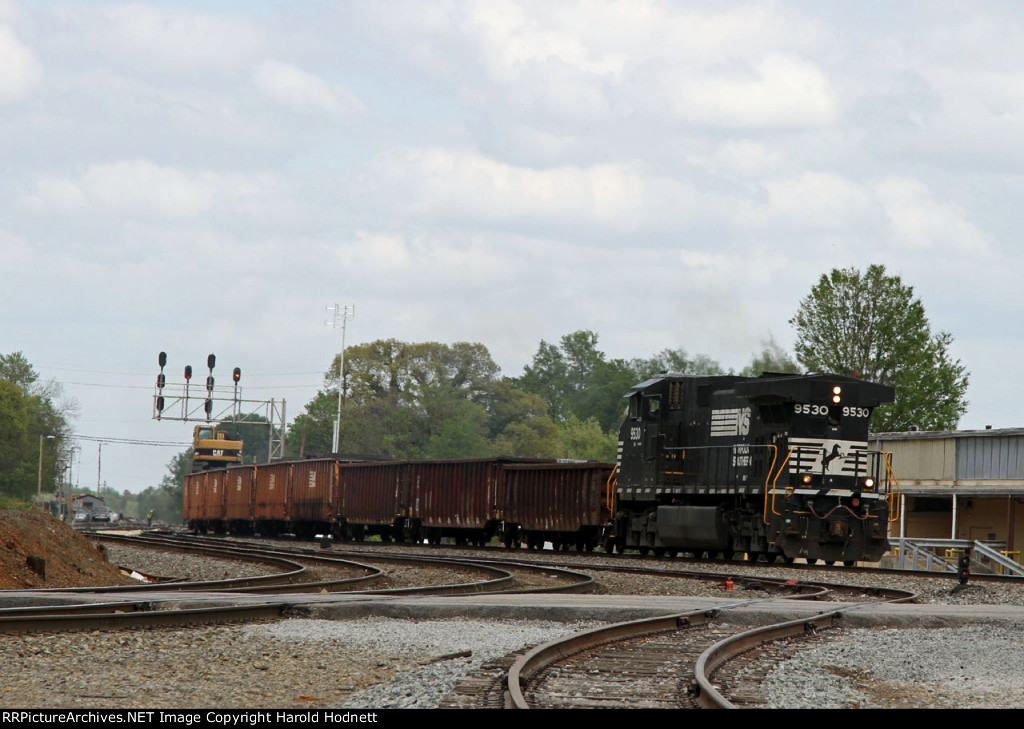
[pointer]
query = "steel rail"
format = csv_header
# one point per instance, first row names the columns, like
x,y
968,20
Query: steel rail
x,y
501,583
539,657
708,696
142,619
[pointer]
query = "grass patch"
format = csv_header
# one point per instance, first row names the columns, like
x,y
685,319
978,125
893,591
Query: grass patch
x,y
8,503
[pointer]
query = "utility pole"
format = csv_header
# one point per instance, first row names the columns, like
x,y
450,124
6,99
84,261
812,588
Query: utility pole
x,y
344,313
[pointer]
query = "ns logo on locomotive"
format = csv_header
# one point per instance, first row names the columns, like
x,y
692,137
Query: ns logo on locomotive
x,y
776,465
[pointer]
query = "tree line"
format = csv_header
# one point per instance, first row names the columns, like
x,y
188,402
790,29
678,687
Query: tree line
x,y
432,400
435,400
35,429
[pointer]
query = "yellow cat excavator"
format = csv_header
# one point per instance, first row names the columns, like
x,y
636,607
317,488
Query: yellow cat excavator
x,y
213,449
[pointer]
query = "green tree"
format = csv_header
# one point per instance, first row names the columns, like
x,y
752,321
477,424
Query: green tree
x,y
576,379
414,400
168,499
30,410
585,440
675,360
871,326
254,432
771,358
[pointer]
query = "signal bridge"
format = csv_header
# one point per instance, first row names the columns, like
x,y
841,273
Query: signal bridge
x,y
185,403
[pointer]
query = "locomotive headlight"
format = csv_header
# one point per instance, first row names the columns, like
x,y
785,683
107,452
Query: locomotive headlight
x,y
837,394
869,483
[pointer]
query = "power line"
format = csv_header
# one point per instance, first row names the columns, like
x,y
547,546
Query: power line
x,y
132,441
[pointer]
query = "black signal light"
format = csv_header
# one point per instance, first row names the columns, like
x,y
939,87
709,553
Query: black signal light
x,y
188,372
236,375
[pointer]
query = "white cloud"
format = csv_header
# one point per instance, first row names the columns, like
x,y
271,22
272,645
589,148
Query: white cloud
x,y
436,183
745,66
19,70
918,221
303,91
819,200
170,38
142,187
776,90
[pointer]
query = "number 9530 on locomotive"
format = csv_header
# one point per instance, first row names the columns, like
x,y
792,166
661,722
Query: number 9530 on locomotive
x,y
776,465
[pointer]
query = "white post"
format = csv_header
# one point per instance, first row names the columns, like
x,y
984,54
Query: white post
x,y
344,313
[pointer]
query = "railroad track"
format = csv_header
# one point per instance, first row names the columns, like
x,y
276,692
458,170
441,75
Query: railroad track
x,y
678,661
483,575
288,572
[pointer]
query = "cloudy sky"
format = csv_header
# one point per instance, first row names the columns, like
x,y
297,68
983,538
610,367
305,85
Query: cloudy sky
x,y
201,177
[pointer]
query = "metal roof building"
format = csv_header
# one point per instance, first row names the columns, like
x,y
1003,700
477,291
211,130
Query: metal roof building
x,y
961,484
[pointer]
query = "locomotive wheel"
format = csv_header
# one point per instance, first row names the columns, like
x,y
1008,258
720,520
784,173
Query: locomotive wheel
x,y
849,563
659,551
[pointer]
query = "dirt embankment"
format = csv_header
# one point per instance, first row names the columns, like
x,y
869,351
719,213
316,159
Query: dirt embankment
x,y
38,551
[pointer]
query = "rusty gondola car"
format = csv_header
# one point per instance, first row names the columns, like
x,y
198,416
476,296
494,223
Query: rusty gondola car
x,y
469,501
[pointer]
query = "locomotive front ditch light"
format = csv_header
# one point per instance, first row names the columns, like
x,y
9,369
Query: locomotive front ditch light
x,y
869,483
807,478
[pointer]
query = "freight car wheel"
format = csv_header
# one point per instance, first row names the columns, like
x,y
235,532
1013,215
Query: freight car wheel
x,y
849,562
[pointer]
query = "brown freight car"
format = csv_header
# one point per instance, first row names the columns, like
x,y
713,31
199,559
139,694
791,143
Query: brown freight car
x,y
270,505
561,503
238,501
456,499
469,501
371,497
312,496
204,508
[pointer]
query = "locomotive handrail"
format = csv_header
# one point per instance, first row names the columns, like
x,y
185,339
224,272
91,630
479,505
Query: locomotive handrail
x,y
610,490
775,482
894,494
767,478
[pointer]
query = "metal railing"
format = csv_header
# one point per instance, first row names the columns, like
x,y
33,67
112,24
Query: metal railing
x,y
941,554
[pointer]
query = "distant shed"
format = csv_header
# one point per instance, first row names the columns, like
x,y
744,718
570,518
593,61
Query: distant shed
x,y
960,484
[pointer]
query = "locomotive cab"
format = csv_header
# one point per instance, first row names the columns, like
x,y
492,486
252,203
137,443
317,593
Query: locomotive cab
x,y
776,465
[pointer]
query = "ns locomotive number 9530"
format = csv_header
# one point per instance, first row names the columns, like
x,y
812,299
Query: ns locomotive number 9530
x,y
776,465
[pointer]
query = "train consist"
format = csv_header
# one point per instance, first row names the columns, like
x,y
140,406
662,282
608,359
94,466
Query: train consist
x,y
471,501
776,465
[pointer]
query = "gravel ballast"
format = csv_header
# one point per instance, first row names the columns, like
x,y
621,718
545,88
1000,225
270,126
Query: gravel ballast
x,y
382,663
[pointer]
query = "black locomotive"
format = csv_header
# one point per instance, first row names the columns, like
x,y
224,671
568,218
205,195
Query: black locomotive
x,y
776,465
